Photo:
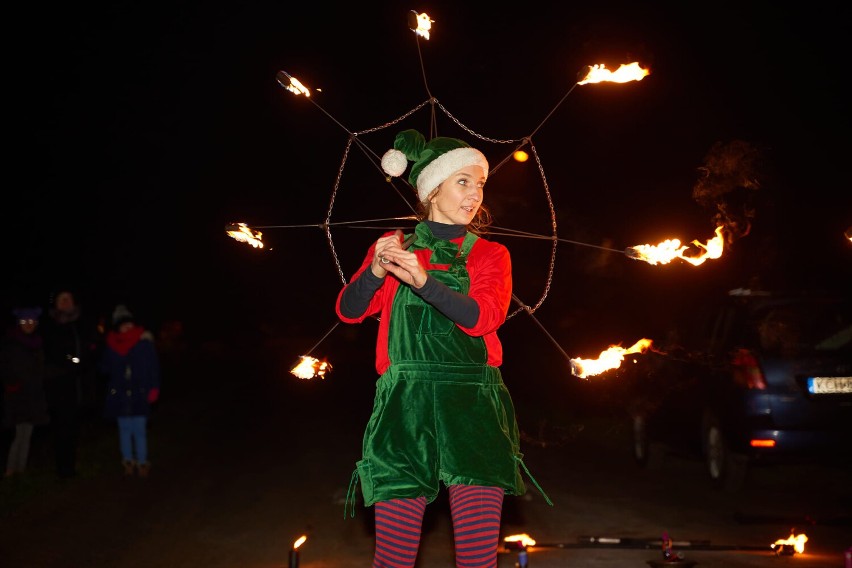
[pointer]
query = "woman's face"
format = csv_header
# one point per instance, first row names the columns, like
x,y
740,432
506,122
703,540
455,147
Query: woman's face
x,y
458,198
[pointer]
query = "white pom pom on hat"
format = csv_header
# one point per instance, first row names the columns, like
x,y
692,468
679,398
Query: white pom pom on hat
x,y
394,162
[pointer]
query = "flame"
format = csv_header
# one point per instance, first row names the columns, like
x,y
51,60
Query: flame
x,y
524,539
626,72
292,84
244,234
299,541
798,542
309,367
609,359
670,249
420,23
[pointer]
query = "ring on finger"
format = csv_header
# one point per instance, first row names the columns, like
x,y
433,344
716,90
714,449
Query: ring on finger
x,y
384,260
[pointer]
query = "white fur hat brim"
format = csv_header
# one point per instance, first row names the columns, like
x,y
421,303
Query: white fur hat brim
x,y
446,165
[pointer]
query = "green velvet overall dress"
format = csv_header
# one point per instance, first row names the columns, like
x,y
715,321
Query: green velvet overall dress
x,y
441,413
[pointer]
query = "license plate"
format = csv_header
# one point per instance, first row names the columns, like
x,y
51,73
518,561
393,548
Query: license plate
x,y
829,385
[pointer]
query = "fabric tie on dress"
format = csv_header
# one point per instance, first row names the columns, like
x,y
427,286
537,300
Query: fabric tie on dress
x,y
443,252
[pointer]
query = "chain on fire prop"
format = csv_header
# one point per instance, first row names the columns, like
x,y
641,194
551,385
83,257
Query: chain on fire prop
x,y
310,367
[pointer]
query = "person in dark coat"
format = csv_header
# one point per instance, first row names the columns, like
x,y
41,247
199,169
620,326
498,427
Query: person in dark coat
x,y
22,371
131,364
70,347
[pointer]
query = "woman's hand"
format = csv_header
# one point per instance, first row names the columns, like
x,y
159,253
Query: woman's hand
x,y
390,257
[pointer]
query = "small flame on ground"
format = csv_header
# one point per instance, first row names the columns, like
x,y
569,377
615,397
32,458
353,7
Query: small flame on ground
x,y
310,367
626,72
292,84
671,249
609,359
524,539
244,234
798,542
299,541
420,23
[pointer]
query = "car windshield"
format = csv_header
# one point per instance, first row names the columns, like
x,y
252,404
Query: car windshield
x,y
803,328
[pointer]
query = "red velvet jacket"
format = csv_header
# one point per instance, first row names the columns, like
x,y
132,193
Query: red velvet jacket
x,y
490,268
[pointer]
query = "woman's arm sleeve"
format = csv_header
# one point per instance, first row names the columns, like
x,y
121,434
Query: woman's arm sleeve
x,y
490,286
460,308
355,298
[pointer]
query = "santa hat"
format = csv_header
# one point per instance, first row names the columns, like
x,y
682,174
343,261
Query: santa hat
x,y
434,161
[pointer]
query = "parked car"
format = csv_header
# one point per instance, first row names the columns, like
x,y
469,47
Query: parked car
x,y
758,378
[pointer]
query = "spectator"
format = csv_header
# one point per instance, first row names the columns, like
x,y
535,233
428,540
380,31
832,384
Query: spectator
x,y
132,367
22,371
70,349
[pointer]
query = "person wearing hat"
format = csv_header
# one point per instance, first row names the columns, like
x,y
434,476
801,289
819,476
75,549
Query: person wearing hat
x,y
442,414
22,372
132,367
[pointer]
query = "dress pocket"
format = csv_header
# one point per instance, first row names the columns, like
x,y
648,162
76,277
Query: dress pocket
x,y
430,321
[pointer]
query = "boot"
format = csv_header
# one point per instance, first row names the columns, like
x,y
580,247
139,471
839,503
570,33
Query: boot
x,y
129,467
144,468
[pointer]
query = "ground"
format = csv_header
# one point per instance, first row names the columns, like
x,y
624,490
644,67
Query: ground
x,y
247,458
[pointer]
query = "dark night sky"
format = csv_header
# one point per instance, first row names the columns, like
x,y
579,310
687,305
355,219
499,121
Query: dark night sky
x,y
139,132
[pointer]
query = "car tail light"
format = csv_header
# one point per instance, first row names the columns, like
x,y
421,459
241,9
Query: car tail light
x,y
762,443
746,371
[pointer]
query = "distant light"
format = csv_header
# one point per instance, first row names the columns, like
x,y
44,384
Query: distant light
x,y
521,156
758,443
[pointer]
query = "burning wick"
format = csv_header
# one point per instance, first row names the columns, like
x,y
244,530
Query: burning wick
x,y
626,72
671,249
244,234
292,84
310,367
789,546
609,359
294,553
420,23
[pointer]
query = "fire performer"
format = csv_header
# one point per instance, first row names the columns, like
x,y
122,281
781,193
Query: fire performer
x,y
442,413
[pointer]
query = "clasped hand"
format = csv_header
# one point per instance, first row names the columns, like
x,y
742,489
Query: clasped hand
x,y
389,256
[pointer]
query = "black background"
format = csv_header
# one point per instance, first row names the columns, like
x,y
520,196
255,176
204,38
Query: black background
x,y
140,131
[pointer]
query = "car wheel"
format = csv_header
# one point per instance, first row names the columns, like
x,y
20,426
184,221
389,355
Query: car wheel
x,y
727,470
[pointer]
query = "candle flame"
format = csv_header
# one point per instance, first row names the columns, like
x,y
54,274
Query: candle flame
x,y
292,84
244,234
524,539
671,249
309,368
420,23
798,542
626,72
609,359
299,541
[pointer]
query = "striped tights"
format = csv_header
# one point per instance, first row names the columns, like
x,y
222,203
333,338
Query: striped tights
x,y
476,514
